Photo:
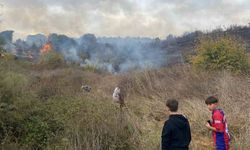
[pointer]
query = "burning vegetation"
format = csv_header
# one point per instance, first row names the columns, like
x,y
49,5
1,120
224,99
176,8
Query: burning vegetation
x,y
46,48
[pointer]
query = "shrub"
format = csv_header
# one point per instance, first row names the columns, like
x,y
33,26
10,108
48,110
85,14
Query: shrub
x,y
92,68
51,60
223,53
97,124
39,131
11,86
23,119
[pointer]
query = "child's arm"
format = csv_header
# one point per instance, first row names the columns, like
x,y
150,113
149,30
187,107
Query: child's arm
x,y
210,127
166,134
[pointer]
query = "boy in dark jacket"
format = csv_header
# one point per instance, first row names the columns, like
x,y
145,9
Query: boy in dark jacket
x,y
176,133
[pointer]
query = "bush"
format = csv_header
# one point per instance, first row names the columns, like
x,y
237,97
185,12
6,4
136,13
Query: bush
x,y
223,53
51,60
92,68
39,131
11,86
24,120
96,124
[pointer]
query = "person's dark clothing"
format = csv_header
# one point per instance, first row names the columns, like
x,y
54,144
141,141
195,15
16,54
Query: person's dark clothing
x,y
176,134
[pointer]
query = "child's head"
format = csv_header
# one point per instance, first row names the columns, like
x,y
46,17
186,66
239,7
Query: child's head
x,y
172,105
212,102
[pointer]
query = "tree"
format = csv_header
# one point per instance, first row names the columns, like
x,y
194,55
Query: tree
x,y
222,53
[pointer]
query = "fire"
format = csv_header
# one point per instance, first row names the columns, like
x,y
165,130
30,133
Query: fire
x,y
46,48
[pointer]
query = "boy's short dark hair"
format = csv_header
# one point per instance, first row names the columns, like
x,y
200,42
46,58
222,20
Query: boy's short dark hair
x,y
211,100
172,104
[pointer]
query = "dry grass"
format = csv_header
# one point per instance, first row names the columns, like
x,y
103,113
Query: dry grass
x,y
146,93
145,98
97,125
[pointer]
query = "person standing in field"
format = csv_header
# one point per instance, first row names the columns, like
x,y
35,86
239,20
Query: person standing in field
x,y
176,134
218,124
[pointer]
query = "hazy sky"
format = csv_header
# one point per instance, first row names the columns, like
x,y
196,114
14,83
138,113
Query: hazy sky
x,y
151,18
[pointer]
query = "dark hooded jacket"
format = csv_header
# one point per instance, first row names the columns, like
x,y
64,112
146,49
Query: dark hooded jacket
x,y
176,133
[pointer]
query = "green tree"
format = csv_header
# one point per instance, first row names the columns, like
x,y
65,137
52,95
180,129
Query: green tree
x,y
223,53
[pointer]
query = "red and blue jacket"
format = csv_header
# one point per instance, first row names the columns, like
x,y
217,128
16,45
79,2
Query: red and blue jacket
x,y
220,136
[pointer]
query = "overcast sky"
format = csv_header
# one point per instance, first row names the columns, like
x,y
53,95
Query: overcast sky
x,y
151,18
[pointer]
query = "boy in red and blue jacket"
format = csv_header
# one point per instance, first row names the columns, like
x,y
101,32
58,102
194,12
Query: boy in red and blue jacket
x,y
218,124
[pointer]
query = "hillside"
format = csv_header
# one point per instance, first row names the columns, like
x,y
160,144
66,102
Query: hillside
x,y
44,108
116,54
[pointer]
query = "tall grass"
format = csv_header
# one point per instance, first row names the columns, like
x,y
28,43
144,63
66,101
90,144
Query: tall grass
x,y
192,88
46,109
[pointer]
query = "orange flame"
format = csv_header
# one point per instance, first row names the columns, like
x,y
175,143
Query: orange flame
x,y
46,48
